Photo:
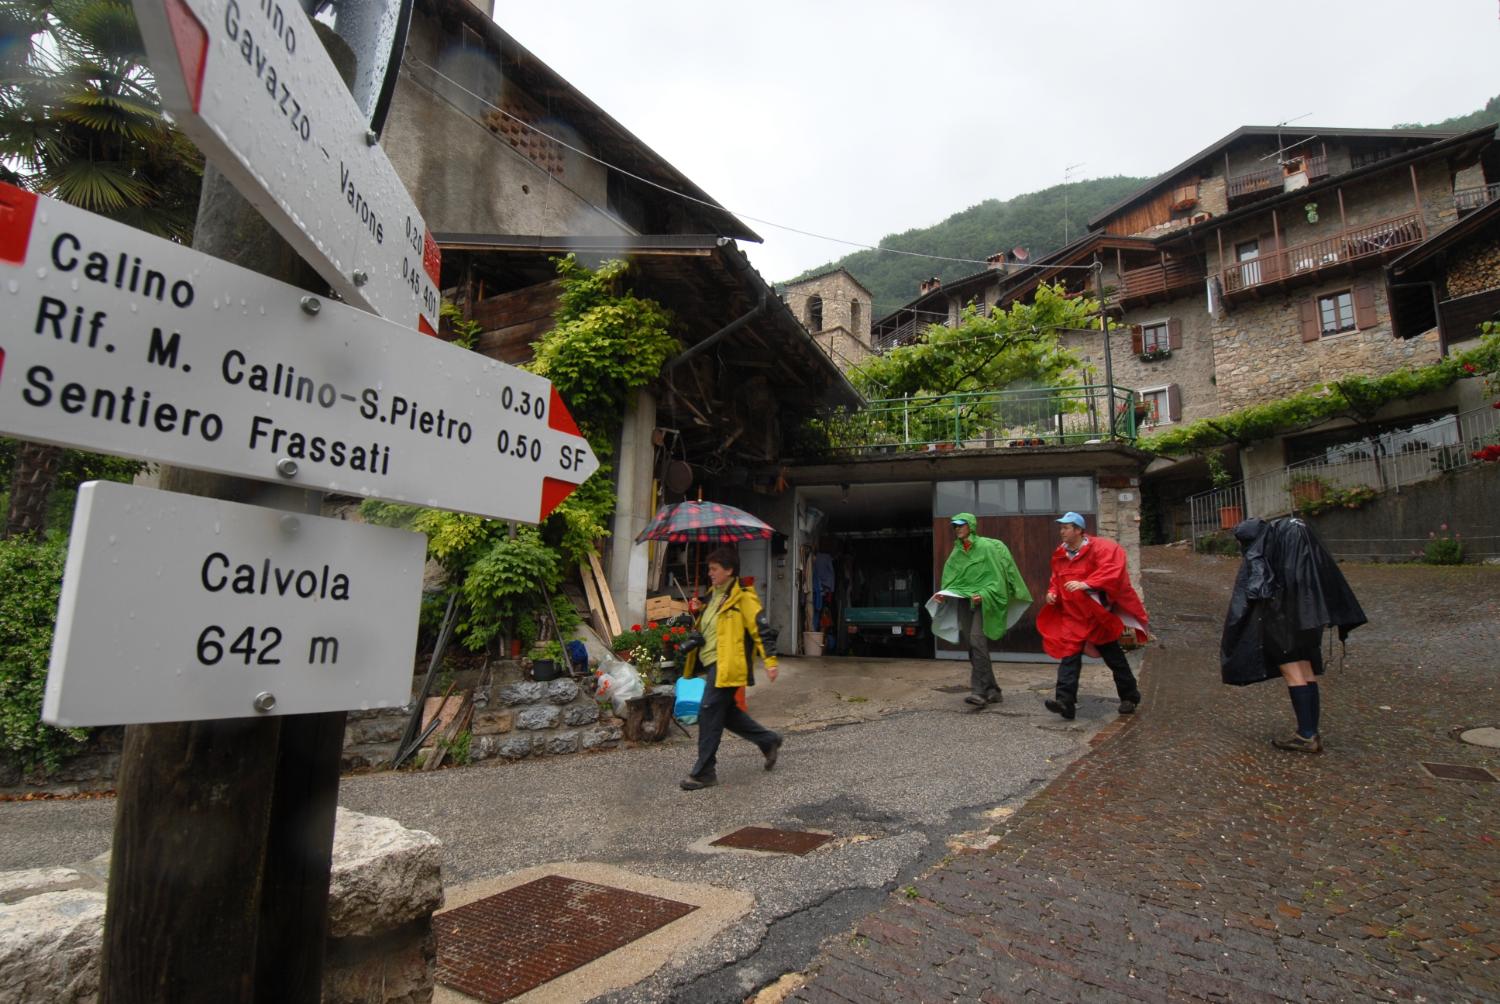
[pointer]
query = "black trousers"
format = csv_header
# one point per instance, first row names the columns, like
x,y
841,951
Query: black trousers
x,y
717,713
1114,657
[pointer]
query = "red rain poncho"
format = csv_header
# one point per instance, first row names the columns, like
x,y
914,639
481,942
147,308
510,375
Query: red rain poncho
x,y
1079,621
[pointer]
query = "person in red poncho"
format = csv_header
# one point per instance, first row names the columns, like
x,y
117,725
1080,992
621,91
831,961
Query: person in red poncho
x,y
1090,603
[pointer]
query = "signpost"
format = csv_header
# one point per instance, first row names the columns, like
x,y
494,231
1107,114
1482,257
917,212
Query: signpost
x,y
247,611
252,87
128,344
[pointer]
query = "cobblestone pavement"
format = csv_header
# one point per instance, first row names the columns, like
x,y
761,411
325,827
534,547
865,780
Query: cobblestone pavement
x,y
1185,859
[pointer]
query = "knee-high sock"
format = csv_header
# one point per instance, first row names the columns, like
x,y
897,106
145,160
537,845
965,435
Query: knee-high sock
x,y
1317,705
1302,705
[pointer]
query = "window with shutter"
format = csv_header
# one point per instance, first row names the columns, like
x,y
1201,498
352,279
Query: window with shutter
x,y
1137,339
1364,306
1336,313
1174,333
1307,315
1174,402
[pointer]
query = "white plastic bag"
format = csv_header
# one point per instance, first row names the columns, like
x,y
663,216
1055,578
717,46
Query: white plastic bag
x,y
620,682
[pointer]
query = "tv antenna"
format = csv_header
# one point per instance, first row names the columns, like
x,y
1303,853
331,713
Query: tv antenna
x,y
1067,180
1282,148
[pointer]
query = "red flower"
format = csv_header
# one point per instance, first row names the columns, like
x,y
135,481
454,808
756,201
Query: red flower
x,y
1495,405
1470,368
651,625
635,627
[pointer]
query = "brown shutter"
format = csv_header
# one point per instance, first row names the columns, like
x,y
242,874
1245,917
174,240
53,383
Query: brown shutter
x,y
1174,402
1174,332
1364,306
1307,314
1270,259
1137,343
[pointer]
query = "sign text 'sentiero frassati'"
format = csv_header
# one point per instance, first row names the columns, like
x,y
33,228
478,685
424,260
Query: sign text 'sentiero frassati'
x,y
251,85
123,343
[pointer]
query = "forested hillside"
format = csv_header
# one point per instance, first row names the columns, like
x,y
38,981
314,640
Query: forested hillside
x,y
1033,221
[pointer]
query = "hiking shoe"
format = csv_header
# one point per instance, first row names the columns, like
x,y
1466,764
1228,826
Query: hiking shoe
x,y
691,783
1059,708
1296,744
994,697
772,752
1128,707
975,700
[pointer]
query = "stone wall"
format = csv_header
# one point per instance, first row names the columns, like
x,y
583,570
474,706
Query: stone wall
x,y
1395,526
512,720
843,347
385,883
1190,367
1119,518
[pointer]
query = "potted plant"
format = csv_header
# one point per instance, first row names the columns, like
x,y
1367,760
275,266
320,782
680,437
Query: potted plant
x,y
547,661
1306,489
1230,513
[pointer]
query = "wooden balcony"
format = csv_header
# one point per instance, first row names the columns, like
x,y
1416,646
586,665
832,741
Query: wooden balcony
x,y
1271,180
1466,200
1374,240
1138,285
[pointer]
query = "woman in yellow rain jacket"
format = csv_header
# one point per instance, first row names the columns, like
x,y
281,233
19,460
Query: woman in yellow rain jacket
x,y
733,629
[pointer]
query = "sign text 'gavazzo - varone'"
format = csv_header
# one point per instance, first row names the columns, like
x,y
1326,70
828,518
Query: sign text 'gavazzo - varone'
x,y
251,85
179,608
123,343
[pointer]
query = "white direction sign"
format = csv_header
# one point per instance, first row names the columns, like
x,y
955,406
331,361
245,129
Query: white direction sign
x,y
178,608
249,82
120,342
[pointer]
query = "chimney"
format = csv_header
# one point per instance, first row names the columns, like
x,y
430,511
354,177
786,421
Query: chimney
x,y
928,285
1019,254
996,260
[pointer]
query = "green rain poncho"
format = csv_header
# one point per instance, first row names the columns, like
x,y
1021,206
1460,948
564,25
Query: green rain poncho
x,y
986,569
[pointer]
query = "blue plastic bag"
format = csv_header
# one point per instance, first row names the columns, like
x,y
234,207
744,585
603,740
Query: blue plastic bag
x,y
689,699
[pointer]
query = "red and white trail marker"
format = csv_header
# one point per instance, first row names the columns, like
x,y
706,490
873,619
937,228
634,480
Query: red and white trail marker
x,y
124,343
251,85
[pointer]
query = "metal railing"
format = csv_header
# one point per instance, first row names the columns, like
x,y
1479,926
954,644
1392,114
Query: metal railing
x,y
1269,178
1468,199
1043,416
1350,472
1347,245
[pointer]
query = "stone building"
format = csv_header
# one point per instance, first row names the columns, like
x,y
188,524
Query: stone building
x,y
836,310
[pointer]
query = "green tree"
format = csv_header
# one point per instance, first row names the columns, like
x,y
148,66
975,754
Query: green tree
x,y
80,122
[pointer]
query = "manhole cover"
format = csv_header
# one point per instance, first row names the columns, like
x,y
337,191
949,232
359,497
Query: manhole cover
x,y
1457,772
504,945
1487,736
953,689
763,838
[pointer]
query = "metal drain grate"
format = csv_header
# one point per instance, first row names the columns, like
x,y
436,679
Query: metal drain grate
x,y
763,838
504,945
1457,772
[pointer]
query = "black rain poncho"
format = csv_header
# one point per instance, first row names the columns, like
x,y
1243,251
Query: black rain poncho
x,y
1288,586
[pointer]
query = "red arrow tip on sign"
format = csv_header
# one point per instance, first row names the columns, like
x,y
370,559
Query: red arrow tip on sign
x,y
191,40
17,210
432,258
559,417
553,493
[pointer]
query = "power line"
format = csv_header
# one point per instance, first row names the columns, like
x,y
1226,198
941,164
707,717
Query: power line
x,y
412,60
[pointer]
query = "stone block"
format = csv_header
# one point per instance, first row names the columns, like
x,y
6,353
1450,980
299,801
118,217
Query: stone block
x,y
563,742
16,886
388,728
493,723
372,756
50,946
395,967
384,875
562,691
540,716
597,738
525,692
581,714
515,747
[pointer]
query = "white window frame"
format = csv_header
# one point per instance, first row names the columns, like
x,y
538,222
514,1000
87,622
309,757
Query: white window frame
x,y
1165,412
1166,335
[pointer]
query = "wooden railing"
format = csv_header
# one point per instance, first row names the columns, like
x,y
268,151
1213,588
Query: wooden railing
x,y
1468,199
1254,182
1369,241
1175,274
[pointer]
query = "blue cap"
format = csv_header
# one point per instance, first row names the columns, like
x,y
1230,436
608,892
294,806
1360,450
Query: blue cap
x,y
1072,517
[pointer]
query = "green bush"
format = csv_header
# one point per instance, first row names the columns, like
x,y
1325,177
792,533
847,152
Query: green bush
x,y
32,573
1445,550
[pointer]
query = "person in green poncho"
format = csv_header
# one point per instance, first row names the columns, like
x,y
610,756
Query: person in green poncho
x,y
982,596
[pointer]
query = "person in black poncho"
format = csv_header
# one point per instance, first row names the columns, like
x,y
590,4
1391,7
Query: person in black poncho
x,y
1288,590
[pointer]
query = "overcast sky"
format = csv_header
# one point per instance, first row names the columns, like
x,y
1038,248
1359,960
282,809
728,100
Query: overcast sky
x,y
859,119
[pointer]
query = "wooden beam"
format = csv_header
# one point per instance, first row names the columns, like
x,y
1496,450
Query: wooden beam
x,y
605,595
591,596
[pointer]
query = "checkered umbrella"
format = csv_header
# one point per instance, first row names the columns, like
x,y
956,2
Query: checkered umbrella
x,y
703,522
